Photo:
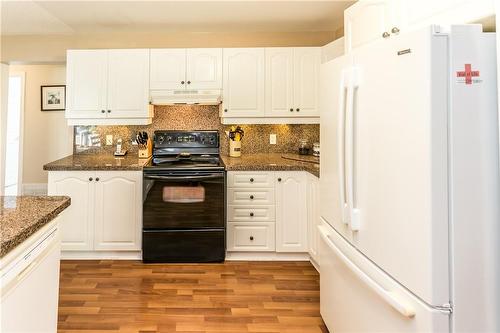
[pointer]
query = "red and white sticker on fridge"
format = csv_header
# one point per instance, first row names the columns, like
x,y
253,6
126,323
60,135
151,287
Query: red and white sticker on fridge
x,y
468,76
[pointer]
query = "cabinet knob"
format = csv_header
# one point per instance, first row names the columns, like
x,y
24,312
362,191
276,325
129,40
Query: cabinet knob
x,y
385,34
109,111
182,82
91,179
251,197
279,179
291,110
395,30
297,110
103,111
251,214
225,110
251,237
251,180
189,82
97,179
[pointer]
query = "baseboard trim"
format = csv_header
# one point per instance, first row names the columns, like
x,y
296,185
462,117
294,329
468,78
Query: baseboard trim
x,y
34,189
101,255
266,256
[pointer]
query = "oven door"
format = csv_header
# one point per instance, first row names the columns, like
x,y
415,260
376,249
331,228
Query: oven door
x,y
183,200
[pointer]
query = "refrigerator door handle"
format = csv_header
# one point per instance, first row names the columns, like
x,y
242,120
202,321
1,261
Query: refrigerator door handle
x,y
341,134
391,298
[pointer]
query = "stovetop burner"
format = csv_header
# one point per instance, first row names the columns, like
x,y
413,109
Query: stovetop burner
x,y
181,150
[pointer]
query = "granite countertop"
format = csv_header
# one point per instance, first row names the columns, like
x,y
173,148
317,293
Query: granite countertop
x,y
80,162
22,216
272,162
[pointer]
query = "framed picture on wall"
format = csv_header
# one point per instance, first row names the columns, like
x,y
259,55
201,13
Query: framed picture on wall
x,y
53,98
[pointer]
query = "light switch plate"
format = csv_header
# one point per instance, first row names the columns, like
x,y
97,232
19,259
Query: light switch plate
x,y
109,140
272,139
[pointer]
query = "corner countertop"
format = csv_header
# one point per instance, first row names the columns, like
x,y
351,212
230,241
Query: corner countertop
x,y
102,161
273,162
22,216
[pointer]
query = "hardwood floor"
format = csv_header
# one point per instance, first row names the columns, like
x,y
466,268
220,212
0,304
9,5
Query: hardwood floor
x,y
129,296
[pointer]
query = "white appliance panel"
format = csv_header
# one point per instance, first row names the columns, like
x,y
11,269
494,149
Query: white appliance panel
x,y
356,296
334,77
398,170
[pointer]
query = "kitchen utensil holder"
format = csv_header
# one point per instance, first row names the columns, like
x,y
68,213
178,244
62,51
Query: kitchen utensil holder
x,y
147,150
234,148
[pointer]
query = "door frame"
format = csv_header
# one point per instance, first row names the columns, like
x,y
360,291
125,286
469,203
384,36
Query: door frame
x,y
20,168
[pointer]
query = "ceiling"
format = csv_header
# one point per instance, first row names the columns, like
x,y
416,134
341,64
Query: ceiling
x,y
95,17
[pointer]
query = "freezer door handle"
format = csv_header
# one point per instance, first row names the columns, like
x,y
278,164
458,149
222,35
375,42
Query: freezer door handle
x,y
391,298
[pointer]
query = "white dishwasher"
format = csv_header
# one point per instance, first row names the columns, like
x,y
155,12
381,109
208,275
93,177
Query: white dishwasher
x,y
30,285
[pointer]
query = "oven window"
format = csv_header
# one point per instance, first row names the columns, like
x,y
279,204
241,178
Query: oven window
x,y
183,194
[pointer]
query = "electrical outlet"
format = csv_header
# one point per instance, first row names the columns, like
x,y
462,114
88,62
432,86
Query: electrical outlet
x,y
109,140
272,139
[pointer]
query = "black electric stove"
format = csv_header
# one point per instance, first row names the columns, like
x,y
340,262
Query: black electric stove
x,y
184,199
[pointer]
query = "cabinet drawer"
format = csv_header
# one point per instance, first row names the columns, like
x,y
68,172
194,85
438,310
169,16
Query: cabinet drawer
x,y
250,237
251,213
247,196
250,179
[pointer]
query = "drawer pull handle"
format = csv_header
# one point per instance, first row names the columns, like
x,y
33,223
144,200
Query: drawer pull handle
x,y
251,238
279,179
251,214
251,180
251,197
91,179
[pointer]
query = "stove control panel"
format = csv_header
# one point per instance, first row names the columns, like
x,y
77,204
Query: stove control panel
x,y
177,139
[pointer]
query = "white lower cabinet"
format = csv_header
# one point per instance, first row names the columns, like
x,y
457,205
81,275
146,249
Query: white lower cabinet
x,y
105,212
291,211
272,212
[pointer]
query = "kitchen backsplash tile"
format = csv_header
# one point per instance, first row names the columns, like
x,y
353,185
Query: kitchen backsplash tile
x,y
91,139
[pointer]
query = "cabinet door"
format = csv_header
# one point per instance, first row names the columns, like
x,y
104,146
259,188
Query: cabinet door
x,y
86,81
243,84
77,220
291,212
306,81
204,68
168,69
118,211
128,83
367,20
313,216
279,82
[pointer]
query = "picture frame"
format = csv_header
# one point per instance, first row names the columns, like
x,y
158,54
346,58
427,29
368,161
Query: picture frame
x,y
53,98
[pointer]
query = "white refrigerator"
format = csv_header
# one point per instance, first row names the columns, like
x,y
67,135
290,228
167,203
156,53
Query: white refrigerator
x,y
410,236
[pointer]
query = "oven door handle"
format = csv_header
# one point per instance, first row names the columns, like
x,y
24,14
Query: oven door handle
x,y
210,176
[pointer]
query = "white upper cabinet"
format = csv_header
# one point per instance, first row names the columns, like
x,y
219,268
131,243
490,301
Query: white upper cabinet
x,y
168,69
108,87
128,83
368,20
243,82
86,81
306,80
279,82
292,81
204,69
178,69
291,211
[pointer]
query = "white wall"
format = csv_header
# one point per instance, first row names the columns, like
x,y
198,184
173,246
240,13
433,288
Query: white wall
x,y
46,135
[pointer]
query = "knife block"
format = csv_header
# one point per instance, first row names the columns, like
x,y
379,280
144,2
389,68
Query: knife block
x,y
147,151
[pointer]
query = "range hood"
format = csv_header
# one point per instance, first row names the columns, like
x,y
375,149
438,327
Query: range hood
x,y
174,97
